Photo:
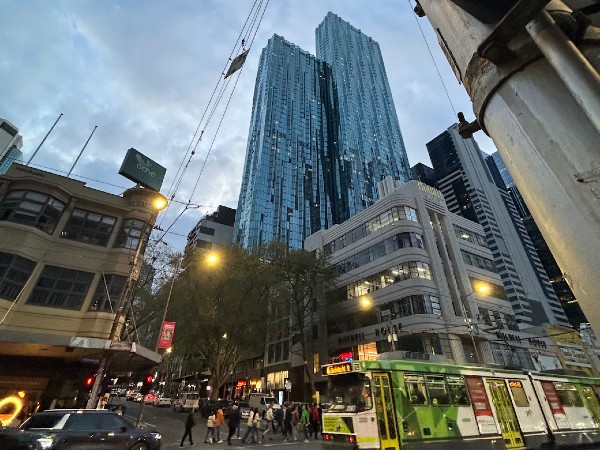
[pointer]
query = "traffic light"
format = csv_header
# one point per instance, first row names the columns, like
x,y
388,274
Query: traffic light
x,y
147,384
89,381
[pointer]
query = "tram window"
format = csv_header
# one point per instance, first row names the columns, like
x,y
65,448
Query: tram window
x,y
350,392
518,392
568,395
436,387
458,390
415,389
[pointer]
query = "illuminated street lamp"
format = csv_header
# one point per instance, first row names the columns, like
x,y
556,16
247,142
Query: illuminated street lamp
x,y
366,303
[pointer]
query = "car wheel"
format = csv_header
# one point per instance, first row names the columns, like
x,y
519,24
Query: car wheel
x,y
139,446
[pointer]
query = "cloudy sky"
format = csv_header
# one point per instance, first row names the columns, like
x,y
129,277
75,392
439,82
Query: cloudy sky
x,y
144,72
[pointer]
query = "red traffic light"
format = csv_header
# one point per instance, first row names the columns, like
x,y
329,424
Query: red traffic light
x,y
149,379
89,381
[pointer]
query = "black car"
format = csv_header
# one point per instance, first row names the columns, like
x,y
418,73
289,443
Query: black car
x,y
13,439
88,429
211,407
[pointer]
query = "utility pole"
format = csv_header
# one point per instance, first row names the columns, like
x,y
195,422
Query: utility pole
x,y
536,93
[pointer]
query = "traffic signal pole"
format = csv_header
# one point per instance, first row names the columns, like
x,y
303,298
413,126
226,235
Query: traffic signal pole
x,y
533,79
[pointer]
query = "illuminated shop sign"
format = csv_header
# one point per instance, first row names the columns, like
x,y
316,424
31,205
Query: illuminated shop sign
x,y
336,369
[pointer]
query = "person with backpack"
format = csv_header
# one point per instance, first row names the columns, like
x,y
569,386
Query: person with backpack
x,y
210,429
315,419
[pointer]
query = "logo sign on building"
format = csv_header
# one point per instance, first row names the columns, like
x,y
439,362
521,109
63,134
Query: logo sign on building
x,y
142,170
166,335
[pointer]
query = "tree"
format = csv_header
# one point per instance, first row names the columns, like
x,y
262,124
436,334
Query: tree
x,y
221,308
301,276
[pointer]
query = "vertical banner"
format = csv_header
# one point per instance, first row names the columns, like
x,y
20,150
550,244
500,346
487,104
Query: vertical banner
x,y
555,405
481,405
166,335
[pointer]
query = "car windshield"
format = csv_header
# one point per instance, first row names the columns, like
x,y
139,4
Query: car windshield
x,y
349,392
192,396
38,421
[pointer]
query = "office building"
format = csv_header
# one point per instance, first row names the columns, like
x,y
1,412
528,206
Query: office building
x,y
13,155
323,133
213,230
10,145
555,275
67,254
470,190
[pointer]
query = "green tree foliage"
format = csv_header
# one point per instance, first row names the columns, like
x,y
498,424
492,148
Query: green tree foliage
x,y
221,308
297,293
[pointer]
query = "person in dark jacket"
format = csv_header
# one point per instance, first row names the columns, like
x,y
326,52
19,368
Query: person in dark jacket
x,y
189,423
232,421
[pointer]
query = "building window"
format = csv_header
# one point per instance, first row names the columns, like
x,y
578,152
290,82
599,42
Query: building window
x,y
89,227
393,275
14,273
206,230
133,233
107,294
479,261
61,288
32,208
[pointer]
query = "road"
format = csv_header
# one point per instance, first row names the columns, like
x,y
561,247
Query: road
x,y
171,426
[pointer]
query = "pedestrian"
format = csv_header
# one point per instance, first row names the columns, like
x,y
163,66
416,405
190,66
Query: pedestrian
x,y
278,422
250,426
210,429
295,422
305,422
238,420
315,419
232,421
269,416
219,420
256,424
189,423
287,422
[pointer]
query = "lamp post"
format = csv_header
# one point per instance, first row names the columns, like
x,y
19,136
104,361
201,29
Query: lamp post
x,y
481,288
158,202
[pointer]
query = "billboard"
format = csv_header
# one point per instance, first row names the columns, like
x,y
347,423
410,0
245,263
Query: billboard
x,y
142,170
166,335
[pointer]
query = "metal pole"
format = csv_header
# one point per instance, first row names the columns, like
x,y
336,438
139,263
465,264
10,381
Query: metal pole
x,y
44,140
469,323
579,76
81,152
164,316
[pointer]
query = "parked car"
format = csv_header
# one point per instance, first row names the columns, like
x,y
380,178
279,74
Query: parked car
x,y
89,428
186,401
162,400
244,408
149,398
262,401
131,395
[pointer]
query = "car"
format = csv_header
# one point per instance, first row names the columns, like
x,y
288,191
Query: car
x,y
89,428
149,398
13,439
131,395
187,401
122,392
138,397
262,401
162,400
211,407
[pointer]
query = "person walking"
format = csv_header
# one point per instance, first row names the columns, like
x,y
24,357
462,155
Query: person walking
x,y
256,424
269,417
287,422
305,422
250,425
189,423
238,420
232,421
315,419
210,429
278,422
219,420
295,422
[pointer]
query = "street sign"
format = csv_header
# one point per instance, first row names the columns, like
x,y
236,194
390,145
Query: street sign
x,y
142,170
288,386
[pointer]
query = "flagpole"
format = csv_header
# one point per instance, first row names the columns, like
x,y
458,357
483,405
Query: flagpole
x,y
44,140
81,152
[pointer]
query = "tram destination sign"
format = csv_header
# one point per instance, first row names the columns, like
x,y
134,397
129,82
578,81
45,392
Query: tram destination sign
x,y
336,369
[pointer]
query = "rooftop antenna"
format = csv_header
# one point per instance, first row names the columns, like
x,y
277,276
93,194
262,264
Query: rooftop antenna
x,y
81,152
44,140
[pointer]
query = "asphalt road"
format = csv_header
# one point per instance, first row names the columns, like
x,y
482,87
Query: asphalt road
x,y
171,425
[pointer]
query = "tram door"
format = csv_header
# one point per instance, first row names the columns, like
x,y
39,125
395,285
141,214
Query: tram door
x,y
592,403
386,413
511,433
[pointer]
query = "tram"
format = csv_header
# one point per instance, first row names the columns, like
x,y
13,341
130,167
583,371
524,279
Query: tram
x,y
406,405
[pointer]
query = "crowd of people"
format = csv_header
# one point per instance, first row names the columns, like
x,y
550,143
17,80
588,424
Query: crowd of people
x,y
290,420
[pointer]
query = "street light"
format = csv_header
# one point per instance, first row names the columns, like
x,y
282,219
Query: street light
x,y
366,303
479,287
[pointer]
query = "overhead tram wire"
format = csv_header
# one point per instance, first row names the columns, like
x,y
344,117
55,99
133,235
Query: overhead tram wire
x,y
252,31
432,59
182,169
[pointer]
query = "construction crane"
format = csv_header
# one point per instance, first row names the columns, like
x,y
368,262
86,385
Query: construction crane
x,y
531,70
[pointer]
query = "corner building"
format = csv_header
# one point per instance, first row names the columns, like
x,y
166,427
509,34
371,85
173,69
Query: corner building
x,y
323,132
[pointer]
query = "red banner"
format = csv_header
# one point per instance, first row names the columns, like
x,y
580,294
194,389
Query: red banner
x,y
481,405
166,335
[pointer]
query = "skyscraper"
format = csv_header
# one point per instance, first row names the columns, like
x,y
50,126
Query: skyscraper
x,y
10,145
471,190
370,141
321,137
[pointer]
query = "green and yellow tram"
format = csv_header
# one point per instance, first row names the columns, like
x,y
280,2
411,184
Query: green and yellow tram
x,y
408,404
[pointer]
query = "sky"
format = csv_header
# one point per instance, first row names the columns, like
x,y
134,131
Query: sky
x,y
144,73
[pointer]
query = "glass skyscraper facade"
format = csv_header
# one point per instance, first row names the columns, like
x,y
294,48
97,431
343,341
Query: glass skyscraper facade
x,y
321,136
370,141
